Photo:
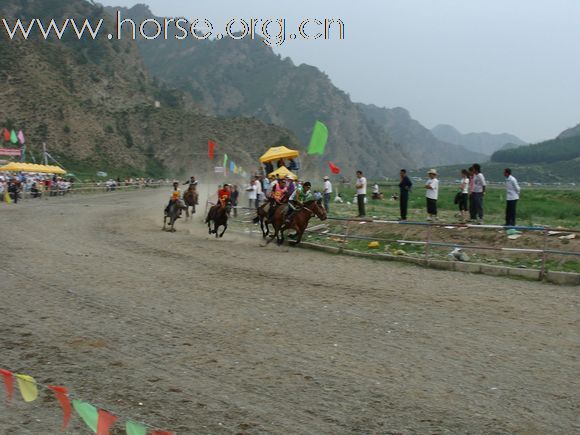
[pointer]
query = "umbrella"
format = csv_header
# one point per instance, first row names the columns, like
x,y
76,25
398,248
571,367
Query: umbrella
x,y
283,172
30,167
277,153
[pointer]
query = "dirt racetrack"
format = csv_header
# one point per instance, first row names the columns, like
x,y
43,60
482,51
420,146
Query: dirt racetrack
x,y
198,335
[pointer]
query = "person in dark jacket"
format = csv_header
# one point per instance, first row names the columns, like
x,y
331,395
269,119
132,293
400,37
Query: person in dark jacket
x,y
405,187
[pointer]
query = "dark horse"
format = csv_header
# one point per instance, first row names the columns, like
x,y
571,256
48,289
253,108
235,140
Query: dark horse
x,y
218,214
190,198
172,213
298,222
263,218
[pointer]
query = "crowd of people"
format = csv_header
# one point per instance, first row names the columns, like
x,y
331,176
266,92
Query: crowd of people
x,y
14,187
469,198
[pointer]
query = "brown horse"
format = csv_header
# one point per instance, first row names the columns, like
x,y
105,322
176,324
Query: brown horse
x,y
299,221
218,214
190,198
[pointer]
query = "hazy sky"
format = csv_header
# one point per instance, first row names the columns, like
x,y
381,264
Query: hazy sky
x,y
480,65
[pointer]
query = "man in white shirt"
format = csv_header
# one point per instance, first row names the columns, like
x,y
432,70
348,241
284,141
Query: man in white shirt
x,y
252,194
326,193
259,191
361,193
512,195
479,185
432,194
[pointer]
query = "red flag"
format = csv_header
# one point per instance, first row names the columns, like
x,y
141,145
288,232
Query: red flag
x,y
161,432
335,169
8,382
61,394
6,135
105,422
211,149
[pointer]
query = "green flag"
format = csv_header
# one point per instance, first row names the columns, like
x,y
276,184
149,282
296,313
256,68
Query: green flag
x,y
88,413
13,137
133,428
319,139
225,160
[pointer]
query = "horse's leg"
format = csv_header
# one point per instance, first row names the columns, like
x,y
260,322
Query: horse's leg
x,y
215,228
209,226
225,228
280,241
164,222
264,233
275,236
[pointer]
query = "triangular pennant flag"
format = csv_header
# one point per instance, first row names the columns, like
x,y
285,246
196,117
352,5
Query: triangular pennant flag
x,y
232,166
27,386
21,137
106,421
225,160
8,382
211,149
161,432
5,135
133,428
318,139
88,413
13,137
335,169
61,393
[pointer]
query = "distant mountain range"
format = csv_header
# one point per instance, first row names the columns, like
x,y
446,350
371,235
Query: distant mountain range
x,y
246,78
484,143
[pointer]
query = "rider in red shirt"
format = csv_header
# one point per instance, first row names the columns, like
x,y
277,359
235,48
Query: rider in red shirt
x,y
224,195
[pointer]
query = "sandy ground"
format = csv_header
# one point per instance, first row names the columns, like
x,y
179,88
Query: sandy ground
x,y
199,335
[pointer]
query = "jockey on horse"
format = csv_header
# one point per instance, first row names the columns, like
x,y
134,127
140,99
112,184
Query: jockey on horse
x,y
301,195
278,196
224,197
175,196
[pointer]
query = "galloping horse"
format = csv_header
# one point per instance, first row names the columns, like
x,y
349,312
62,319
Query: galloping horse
x,y
218,214
190,197
263,218
172,213
299,221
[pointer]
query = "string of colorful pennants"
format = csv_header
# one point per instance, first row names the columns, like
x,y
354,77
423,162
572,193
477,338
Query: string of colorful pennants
x,y
98,420
232,167
13,137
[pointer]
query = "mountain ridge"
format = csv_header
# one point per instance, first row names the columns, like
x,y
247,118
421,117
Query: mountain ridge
x,y
483,142
246,78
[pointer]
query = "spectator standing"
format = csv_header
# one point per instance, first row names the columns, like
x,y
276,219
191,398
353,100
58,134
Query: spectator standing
x,y
479,185
234,196
432,194
361,193
512,196
464,194
259,191
326,193
470,191
405,187
252,194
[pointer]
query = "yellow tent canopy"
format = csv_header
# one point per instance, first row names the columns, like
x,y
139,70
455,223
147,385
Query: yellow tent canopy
x,y
31,167
277,153
283,172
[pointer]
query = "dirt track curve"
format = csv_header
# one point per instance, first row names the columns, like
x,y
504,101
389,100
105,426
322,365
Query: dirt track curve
x,y
198,335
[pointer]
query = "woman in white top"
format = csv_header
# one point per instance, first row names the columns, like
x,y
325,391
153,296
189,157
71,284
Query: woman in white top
x,y
464,195
432,194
